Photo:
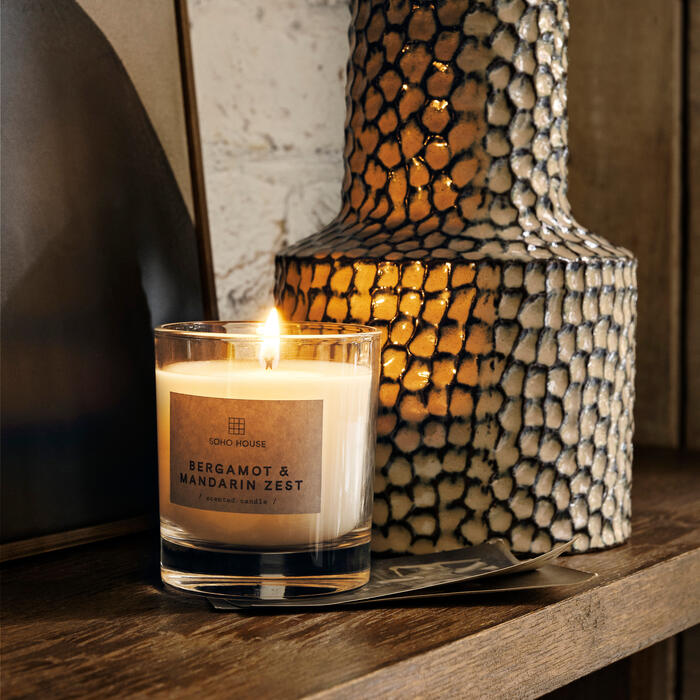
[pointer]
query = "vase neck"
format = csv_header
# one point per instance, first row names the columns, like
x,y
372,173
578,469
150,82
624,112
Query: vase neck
x,y
457,115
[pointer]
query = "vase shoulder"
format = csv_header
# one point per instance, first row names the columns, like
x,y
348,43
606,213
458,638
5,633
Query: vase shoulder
x,y
478,242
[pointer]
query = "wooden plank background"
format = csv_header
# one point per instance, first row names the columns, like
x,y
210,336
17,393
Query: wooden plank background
x,y
634,133
692,220
625,107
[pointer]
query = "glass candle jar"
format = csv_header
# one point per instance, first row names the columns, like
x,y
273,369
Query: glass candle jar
x,y
266,439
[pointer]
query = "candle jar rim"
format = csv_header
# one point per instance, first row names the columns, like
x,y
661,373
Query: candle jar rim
x,y
252,330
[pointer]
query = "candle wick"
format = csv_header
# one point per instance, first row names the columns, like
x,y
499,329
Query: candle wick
x,y
268,362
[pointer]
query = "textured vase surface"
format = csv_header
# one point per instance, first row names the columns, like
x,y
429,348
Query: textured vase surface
x,y
508,358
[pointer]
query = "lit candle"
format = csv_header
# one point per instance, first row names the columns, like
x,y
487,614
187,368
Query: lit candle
x,y
264,452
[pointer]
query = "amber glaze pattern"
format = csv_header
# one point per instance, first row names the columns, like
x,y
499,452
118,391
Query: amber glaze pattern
x,y
508,329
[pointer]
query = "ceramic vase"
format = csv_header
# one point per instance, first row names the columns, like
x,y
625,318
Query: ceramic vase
x,y
508,329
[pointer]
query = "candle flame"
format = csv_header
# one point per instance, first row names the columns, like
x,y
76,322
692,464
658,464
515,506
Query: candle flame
x,y
270,348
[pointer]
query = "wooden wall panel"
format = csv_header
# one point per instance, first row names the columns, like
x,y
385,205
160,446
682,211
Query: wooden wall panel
x,y
689,671
692,191
650,674
625,83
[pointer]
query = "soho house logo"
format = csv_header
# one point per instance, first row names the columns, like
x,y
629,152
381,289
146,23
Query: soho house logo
x,y
236,426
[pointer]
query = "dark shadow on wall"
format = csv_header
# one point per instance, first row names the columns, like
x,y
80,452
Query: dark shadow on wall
x,y
97,248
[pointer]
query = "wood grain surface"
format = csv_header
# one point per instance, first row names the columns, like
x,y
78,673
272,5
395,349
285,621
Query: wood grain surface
x,y
93,622
73,538
625,82
692,222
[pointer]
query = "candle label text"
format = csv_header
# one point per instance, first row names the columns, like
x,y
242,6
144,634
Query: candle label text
x,y
246,455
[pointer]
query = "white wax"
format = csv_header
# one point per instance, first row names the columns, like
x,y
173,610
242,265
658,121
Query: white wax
x,y
345,390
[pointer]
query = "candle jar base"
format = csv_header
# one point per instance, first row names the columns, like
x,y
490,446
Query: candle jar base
x,y
269,575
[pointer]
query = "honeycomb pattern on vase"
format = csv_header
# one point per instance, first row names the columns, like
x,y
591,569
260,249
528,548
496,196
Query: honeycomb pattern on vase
x,y
508,329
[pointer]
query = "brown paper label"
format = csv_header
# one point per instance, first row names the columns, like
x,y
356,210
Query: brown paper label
x,y
246,456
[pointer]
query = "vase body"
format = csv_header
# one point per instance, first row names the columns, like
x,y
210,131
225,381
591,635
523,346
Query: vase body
x,y
508,329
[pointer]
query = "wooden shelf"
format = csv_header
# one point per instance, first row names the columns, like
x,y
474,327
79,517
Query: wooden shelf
x,y
93,622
